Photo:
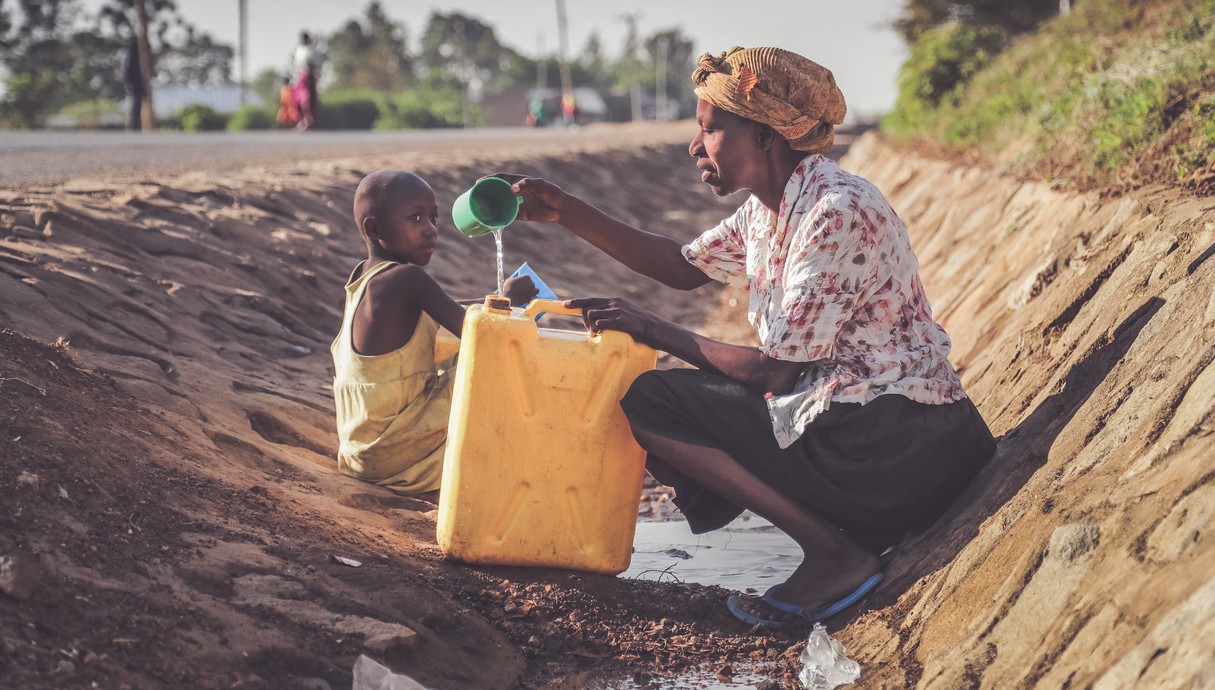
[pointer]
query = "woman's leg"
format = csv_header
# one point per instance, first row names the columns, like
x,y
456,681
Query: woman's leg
x,y
833,565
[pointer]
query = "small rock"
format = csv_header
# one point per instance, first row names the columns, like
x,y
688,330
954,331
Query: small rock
x,y
18,575
26,232
1074,540
65,667
28,479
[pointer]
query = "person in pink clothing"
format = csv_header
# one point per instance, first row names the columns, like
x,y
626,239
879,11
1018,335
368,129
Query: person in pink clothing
x,y
846,427
307,103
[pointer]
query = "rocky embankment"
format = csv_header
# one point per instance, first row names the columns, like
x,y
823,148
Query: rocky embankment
x,y
1084,329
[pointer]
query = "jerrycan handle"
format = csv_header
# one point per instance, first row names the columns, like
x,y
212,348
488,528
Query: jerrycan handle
x,y
550,306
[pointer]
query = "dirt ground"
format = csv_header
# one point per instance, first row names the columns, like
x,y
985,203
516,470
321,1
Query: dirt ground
x,y
171,511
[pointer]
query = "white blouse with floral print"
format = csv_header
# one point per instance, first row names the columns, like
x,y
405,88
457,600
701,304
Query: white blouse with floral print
x,y
834,283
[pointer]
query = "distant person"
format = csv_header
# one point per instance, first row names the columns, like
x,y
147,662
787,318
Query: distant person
x,y
569,109
391,398
136,86
288,114
307,102
846,427
536,115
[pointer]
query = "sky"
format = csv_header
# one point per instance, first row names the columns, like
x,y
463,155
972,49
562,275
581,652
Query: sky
x,y
852,38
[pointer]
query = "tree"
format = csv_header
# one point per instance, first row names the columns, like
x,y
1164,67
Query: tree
x,y
371,54
43,47
672,55
461,51
1011,17
56,54
181,54
197,60
593,64
951,41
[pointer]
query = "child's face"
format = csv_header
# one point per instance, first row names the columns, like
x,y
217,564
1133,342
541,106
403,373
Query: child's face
x,y
409,228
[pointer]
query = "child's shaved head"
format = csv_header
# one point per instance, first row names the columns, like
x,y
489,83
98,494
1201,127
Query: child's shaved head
x,y
380,191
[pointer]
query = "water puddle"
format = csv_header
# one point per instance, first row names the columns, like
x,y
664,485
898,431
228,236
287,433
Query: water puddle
x,y
748,552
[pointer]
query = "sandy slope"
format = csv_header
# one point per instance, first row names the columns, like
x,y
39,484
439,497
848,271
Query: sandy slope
x,y
1085,332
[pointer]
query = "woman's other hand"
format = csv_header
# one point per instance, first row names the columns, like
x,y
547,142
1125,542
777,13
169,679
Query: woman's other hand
x,y
616,314
519,290
542,200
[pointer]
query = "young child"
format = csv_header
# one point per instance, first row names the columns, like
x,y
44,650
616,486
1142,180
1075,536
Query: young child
x,y
288,116
392,400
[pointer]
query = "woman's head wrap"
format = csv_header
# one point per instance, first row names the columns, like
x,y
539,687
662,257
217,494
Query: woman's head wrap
x,y
794,96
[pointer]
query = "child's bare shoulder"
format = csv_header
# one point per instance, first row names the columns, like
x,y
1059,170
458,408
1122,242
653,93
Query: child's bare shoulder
x,y
402,279
402,274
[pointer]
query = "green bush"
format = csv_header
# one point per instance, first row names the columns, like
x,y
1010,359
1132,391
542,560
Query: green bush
x,y
251,117
350,109
1199,151
1083,97
199,118
97,114
947,57
428,108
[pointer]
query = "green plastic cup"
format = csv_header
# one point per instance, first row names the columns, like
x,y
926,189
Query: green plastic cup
x,y
487,206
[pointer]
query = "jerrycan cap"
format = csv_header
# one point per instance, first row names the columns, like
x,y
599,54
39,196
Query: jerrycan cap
x,y
497,304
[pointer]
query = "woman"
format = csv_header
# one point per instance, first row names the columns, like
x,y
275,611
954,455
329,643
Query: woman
x,y
306,102
847,427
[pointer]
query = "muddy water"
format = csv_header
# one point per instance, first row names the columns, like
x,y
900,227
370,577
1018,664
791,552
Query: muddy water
x,y
748,552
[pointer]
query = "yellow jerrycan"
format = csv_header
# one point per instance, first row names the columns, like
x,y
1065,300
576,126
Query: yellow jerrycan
x,y
541,467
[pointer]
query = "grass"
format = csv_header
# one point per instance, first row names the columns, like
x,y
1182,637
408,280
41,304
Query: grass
x,y
1087,96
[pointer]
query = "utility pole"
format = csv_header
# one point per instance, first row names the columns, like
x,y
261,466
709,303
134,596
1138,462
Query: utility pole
x,y
660,79
244,50
567,85
148,115
631,45
541,63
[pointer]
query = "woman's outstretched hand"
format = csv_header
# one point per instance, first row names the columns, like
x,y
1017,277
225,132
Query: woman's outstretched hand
x,y
616,314
542,200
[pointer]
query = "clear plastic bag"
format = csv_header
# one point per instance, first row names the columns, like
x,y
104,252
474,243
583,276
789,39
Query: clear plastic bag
x,y
372,675
825,664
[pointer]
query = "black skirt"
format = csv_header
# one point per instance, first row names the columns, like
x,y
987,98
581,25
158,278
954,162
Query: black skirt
x,y
876,471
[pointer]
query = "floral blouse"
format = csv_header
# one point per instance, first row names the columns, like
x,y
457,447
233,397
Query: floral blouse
x,y
834,283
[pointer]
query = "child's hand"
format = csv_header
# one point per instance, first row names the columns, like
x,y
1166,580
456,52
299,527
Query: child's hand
x,y
519,290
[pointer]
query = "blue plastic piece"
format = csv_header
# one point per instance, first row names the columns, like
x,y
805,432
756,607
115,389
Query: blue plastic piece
x,y
545,292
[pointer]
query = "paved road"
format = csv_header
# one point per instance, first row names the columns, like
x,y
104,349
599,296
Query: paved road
x,y
43,159
32,159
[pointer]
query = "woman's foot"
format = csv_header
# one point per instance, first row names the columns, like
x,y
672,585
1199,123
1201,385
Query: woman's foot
x,y
811,588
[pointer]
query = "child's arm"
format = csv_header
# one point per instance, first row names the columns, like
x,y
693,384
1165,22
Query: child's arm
x,y
387,317
394,300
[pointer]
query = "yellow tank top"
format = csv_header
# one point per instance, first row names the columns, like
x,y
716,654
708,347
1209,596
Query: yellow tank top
x,y
392,408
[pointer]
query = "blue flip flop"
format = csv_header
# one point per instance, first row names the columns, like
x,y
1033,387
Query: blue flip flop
x,y
801,616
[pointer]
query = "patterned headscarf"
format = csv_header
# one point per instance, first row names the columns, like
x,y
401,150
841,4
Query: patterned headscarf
x,y
796,97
